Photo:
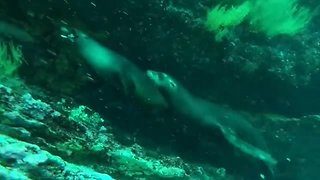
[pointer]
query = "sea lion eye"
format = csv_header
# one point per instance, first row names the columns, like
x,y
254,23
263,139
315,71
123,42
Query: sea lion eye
x,y
172,84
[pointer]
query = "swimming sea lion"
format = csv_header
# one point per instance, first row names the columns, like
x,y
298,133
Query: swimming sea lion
x,y
108,64
234,126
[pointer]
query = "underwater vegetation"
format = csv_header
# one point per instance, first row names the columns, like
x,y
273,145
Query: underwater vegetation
x,y
10,59
271,17
190,90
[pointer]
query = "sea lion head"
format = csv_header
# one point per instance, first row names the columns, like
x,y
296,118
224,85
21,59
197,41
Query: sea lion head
x,y
168,86
162,80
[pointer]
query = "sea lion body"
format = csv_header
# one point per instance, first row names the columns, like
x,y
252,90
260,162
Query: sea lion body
x,y
235,128
108,64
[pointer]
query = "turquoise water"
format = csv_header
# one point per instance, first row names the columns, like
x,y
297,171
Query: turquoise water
x,y
160,89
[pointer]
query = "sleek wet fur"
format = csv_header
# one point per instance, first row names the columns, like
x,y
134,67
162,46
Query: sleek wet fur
x,y
111,65
234,126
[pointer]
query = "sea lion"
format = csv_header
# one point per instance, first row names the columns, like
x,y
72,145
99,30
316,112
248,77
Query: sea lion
x,y
234,126
111,65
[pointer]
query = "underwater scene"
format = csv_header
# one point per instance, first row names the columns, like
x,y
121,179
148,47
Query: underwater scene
x,y
159,90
